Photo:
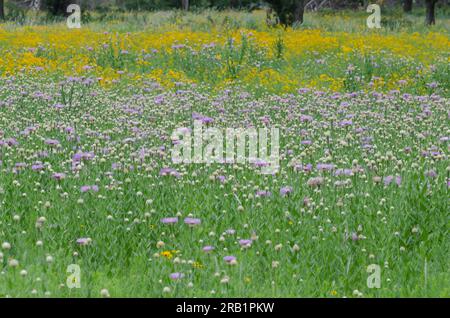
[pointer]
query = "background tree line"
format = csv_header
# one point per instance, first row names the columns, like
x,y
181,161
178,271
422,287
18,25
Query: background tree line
x,y
288,12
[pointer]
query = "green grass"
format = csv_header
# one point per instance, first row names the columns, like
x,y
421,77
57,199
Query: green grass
x,y
402,229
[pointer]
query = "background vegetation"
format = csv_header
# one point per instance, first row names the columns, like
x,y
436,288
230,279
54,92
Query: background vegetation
x,y
286,12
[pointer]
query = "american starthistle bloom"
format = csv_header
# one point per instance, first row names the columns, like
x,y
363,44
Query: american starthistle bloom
x,y
284,191
170,220
245,243
315,182
192,221
208,249
160,244
230,260
84,241
13,262
40,222
176,276
104,293
225,280
6,246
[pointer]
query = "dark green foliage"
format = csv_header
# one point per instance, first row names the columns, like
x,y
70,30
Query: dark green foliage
x,y
2,10
289,12
407,5
58,7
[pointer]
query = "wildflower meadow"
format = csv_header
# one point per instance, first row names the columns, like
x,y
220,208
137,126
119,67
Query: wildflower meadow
x,y
106,189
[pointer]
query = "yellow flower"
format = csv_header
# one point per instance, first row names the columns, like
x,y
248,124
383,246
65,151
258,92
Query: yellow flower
x,y
166,254
346,49
197,265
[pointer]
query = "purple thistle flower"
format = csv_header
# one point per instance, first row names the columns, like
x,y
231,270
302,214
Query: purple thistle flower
x,y
176,276
170,220
387,180
304,168
260,163
58,106
207,120
245,243
192,221
306,118
230,259
345,123
11,142
208,248
20,165
51,142
303,90
85,188
263,193
59,176
285,191
37,167
83,241
222,179
343,172
169,172
325,166
431,174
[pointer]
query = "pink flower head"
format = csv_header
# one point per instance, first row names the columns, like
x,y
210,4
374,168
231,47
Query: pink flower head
x,y
192,221
170,220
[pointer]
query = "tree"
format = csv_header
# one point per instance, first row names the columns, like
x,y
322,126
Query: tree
x,y
430,17
289,12
58,7
2,10
185,4
407,5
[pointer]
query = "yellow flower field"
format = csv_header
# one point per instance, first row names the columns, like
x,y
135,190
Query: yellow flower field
x,y
271,59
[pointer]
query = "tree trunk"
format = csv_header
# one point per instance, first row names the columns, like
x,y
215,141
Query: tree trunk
x,y
185,5
288,12
299,11
407,5
430,18
2,10
58,7
234,3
